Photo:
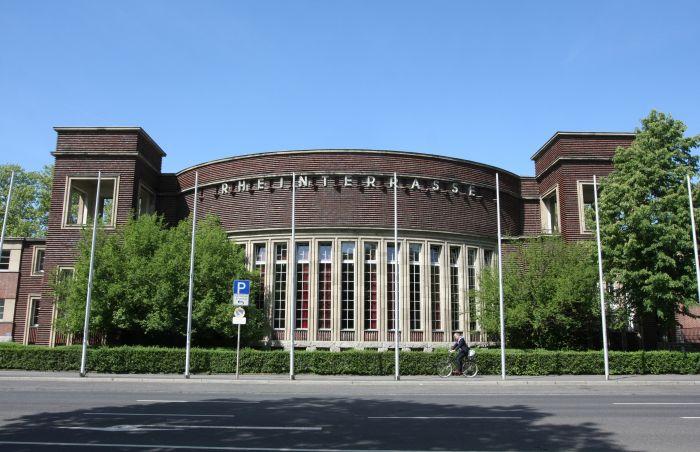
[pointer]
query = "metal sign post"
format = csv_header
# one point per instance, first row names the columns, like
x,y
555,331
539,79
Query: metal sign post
x,y
500,282
191,283
86,327
695,239
7,210
397,372
601,284
241,297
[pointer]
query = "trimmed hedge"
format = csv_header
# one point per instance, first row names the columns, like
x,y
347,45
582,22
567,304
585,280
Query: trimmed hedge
x,y
155,360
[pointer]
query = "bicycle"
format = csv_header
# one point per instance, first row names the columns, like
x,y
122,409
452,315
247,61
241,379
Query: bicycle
x,y
469,367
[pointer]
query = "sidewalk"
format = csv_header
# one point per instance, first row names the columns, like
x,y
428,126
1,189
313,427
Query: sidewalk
x,y
305,379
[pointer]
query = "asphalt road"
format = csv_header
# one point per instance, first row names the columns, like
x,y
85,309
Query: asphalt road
x,y
408,415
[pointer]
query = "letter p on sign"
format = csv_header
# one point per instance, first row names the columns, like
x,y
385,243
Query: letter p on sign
x,y
241,292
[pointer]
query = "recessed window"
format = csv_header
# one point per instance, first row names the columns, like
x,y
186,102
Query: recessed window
x,y
325,287
260,256
347,285
436,319
391,284
38,265
2,309
370,291
34,311
146,203
302,301
550,213
5,260
586,207
280,286
454,286
414,286
81,197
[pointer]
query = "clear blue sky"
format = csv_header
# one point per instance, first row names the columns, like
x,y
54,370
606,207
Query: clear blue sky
x,y
486,81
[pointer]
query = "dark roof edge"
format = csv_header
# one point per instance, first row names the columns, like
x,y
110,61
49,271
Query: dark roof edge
x,y
140,130
560,134
358,151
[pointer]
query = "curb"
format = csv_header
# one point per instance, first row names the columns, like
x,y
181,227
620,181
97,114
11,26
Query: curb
x,y
436,382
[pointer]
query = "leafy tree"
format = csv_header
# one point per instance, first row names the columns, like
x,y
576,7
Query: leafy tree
x,y
645,223
550,295
141,281
31,197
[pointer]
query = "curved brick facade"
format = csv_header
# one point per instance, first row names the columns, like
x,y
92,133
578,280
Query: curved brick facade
x,y
344,202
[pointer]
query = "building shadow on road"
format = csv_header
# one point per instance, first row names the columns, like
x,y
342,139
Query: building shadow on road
x,y
304,423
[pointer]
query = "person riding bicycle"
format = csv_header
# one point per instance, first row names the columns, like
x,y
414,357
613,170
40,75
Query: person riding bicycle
x,y
460,345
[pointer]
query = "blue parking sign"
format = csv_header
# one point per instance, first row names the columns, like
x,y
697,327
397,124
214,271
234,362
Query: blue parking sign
x,y
241,292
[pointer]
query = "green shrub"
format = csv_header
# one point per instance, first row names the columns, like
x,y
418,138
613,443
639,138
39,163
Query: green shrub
x,y
159,360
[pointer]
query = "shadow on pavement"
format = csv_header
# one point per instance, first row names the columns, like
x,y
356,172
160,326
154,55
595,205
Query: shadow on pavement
x,y
346,423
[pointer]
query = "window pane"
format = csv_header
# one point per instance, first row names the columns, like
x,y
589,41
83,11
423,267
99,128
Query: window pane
x,y
370,286
260,253
347,286
39,262
324,285
454,287
414,285
436,318
391,284
280,286
5,260
302,295
2,309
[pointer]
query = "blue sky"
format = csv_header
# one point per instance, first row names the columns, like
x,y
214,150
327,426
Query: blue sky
x,y
485,81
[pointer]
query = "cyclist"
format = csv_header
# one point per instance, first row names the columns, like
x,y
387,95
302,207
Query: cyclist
x,y
462,349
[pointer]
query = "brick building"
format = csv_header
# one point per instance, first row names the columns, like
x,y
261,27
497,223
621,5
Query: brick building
x,y
345,256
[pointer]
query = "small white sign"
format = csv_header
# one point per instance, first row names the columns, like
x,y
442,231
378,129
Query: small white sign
x,y
238,320
239,312
241,299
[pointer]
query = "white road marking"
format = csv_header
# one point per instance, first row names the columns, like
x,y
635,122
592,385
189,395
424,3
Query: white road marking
x,y
690,417
160,414
444,417
175,446
156,427
656,403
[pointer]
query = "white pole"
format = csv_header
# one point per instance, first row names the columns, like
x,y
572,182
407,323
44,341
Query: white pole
x,y
695,239
397,375
600,282
191,286
294,278
7,210
86,326
238,350
500,281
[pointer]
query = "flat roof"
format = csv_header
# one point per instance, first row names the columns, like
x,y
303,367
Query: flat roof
x,y
560,134
339,151
137,129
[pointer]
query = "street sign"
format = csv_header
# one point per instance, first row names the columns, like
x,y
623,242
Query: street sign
x,y
241,292
239,312
238,320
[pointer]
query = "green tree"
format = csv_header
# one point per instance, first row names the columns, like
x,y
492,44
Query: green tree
x,y
31,197
550,296
141,281
645,222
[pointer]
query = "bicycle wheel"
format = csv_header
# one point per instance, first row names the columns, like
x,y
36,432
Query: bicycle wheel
x,y
445,369
470,369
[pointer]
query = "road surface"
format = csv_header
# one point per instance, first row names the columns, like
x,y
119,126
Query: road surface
x,y
315,415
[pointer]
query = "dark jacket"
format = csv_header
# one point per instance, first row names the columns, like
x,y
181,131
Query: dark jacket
x,y
461,345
